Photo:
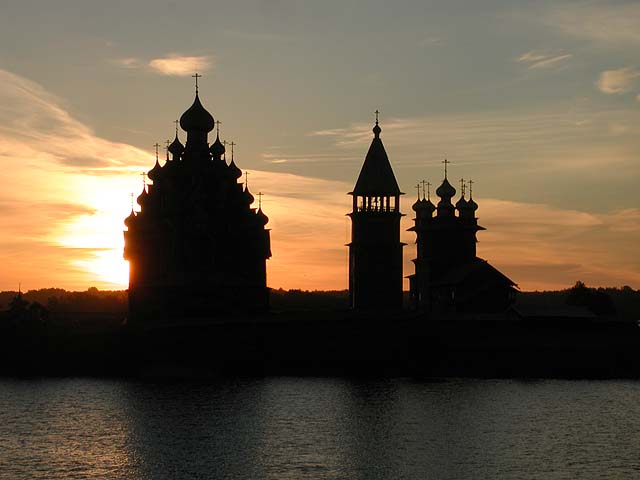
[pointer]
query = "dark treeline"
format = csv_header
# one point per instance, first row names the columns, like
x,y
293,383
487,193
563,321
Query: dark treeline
x,y
621,303
55,332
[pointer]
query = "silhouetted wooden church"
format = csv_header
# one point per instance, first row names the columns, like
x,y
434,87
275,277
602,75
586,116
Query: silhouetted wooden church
x,y
449,277
196,248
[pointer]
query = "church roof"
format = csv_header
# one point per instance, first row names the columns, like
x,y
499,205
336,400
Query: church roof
x,y
376,176
474,271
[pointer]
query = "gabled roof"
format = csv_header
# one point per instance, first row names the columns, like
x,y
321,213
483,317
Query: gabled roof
x,y
477,267
376,176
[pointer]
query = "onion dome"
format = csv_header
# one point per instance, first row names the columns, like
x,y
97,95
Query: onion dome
x,y
445,190
462,203
155,172
142,198
247,197
130,219
197,118
428,206
262,218
471,205
417,206
217,149
234,171
176,147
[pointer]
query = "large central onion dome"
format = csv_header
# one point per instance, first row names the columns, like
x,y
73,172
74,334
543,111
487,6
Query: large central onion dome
x,y
445,190
197,118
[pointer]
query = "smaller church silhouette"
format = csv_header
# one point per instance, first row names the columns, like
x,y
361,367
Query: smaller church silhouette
x,y
449,278
196,248
375,251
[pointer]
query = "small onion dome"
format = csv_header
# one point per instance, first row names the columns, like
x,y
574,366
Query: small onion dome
x,y
471,205
429,206
142,198
247,197
155,172
462,204
417,206
196,118
234,171
130,219
217,149
176,147
376,130
262,218
445,190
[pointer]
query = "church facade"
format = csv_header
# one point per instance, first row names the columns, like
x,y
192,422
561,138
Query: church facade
x,y
197,248
449,278
375,251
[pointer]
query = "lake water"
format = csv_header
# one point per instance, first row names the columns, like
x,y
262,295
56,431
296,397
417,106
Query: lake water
x,y
317,428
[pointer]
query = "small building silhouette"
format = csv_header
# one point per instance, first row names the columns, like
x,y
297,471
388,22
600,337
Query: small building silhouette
x,y
197,248
449,278
375,251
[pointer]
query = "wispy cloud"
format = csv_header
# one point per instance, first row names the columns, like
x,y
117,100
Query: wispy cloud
x,y
621,80
181,65
537,59
544,247
562,138
62,174
600,21
128,62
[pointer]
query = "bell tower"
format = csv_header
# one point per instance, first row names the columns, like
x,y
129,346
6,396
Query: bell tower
x,y
375,251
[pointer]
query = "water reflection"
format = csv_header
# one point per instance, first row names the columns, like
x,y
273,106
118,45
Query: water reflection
x,y
292,428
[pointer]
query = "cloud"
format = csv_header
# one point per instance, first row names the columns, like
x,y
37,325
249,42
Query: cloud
x,y
35,127
181,65
562,138
129,62
621,80
536,59
61,175
602,22
543,247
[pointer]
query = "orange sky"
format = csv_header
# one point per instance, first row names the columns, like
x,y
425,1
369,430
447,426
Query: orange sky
x,y
62,224
537,102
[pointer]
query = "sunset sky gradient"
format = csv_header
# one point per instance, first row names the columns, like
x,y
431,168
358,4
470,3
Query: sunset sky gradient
x,y
537,102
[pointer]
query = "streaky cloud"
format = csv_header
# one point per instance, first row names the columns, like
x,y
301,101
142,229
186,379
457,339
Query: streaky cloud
x,y
543,60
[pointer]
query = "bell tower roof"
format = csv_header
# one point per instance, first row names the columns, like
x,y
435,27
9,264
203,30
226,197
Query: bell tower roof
x,y
376,176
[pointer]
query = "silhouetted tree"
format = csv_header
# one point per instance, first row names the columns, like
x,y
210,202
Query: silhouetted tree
x,y
596,300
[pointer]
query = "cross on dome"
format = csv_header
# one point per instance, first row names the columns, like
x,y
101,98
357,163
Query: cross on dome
x,y
196,76
446,162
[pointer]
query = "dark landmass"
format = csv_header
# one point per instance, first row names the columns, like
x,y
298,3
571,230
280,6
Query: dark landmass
x,y
575,333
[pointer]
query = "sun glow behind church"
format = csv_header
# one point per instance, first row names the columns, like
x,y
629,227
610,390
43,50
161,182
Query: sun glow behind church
x,y
100,232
